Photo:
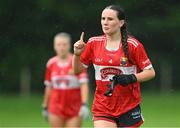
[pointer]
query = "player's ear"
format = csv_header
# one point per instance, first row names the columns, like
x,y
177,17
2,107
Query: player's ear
x,y
54,46
121,23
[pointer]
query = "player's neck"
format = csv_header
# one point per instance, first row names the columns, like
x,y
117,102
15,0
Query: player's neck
x,y
113,41
114,37
63,58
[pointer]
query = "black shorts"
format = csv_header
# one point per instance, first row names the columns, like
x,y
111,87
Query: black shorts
x,y
132,118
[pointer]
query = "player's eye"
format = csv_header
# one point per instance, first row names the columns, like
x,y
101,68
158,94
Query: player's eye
x,y
103,18
110,19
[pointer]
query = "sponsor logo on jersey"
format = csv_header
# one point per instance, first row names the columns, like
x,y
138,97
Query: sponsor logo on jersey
x,y
123,61
146,62
136,115
98,60
109,71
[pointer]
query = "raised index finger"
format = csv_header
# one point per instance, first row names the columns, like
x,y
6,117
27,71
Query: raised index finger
x,y
82,36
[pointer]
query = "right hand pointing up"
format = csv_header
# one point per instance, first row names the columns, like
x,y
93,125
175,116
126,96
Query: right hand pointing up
x,y
79,46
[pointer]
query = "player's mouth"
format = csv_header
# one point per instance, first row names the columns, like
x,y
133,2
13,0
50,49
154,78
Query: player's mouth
x,y
106,28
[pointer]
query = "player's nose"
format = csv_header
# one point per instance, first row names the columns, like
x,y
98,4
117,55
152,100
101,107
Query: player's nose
x,y
104,21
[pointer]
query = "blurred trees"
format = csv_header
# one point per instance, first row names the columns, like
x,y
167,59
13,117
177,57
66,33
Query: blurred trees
x,y
27,28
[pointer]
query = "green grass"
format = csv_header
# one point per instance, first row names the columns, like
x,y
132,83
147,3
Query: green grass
x,y
158,110
161,110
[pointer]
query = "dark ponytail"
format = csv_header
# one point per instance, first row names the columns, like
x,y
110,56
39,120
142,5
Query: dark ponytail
x,y
124,32
124,39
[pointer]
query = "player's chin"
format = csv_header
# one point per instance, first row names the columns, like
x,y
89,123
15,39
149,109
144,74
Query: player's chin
x,y
62,53
107,32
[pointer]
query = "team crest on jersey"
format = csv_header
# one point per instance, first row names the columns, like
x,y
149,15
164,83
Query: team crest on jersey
x,y
123,61
109,71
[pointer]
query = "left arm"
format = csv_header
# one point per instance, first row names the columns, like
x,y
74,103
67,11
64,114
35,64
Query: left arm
x,y
143,62
84,93
84,110
145,75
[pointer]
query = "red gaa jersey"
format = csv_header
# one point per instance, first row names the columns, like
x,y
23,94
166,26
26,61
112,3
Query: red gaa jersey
x,y
107,63
65,99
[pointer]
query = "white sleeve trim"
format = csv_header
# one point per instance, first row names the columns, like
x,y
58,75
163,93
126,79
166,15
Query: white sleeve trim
x,y
47,83
148,67
84,65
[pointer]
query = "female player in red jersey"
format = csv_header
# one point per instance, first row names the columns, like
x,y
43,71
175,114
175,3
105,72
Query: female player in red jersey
x,y
121,58
66,94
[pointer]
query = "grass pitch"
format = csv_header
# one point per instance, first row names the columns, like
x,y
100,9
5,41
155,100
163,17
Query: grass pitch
x,y
158,110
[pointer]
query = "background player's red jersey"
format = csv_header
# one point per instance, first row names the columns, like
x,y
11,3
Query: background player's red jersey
x,y
65,99
107,63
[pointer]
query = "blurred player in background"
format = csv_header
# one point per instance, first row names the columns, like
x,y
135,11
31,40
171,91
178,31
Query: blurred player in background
x,y
121,58
66,94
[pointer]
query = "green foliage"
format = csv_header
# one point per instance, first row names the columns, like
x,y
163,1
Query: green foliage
x,y
28,27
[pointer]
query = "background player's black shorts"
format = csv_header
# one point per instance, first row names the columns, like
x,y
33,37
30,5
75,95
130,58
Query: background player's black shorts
x,y
132,118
